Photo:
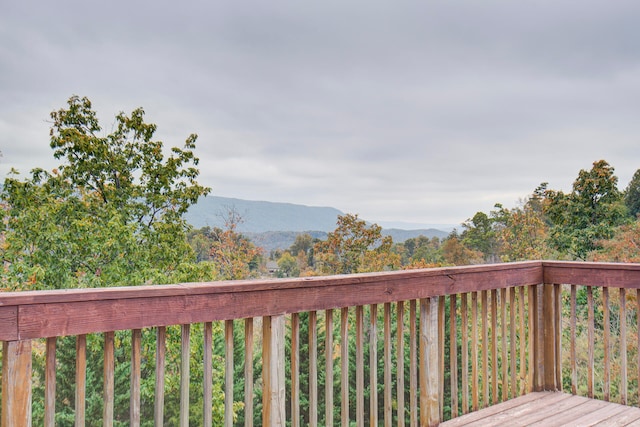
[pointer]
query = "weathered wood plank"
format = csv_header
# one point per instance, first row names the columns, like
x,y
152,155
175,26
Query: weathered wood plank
x,y
9,322
273,373
373,365
591,339
313,369
606,332
16,383
503,347
81,380
413,366
615,275
475,391
572,343
388,410
228,373
494,347
400,363
453,359
207,374
344,366
248,372
185,375
109,379
161,346
360,366
328,370
50,383
485,348
295,370
134,398
58,313
429,355
465,351
623,347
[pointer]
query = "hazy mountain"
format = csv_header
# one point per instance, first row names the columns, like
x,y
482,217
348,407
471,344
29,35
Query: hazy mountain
x,y
273,225
260,216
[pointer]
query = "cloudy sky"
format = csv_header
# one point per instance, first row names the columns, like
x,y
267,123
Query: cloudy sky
x,y
422,112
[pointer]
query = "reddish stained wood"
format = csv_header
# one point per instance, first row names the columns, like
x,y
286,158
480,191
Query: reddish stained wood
x,y
207,377
16,383
494,347
313,369
58,313
572,345
158,407
453,359
185,375
344,366
373,365
9,322
465,352
623,347
388,410
475,391
360,366
228,373
295,370
413,366
485,348
591,338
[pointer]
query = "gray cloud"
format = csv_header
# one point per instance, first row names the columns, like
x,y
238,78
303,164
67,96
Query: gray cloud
x,y
398,111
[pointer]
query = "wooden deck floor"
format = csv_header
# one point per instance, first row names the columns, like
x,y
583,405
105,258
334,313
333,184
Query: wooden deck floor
x,y
549,409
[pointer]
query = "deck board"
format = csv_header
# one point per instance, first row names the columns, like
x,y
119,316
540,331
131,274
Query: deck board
x,y
550,409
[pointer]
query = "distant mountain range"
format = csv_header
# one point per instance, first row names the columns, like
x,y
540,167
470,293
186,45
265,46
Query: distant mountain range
x,y
274,225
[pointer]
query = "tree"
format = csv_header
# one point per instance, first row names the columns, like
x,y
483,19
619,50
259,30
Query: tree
x,y
623,247
233,254
522,232
455,252
354,247
587,215
110,214
632,195
480,235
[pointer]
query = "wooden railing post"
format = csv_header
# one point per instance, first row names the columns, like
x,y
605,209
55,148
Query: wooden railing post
x,y
273,375
550,336
16,383
429,363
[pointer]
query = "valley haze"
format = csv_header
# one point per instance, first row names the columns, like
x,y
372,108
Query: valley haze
x,y
275,225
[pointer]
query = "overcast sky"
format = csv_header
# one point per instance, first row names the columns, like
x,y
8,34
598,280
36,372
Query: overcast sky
x,y
423,112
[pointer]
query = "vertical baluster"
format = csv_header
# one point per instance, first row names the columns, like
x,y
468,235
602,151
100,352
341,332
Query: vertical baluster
x,y
485,349
359,366
590,350
313,369
185,355
465,353
328,353
623,346
523,342
248,372
475,391
344,366
494,347
413,366
373,365
387,365
532,320
50,383
228,373
134,399
503,332
81,379
638,341
400,362
572,345
158,412
557,289
109,363
453,354
512,340
207,375
295,370
441,357
606,343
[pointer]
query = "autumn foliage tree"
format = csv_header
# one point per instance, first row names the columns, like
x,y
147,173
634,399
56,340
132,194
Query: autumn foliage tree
x,y
355,247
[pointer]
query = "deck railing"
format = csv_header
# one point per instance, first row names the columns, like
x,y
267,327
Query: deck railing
x,y
395,348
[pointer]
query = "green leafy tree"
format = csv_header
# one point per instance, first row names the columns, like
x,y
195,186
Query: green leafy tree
x,y
480,235
587,215
632,195
355,247
110,214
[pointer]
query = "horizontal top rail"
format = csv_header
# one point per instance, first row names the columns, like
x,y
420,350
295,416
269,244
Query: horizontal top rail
x,y
38,314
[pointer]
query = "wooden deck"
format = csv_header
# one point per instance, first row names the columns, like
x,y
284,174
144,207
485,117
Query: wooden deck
x,y
549,409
